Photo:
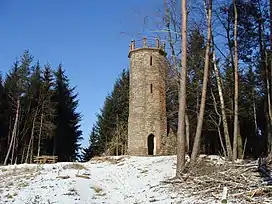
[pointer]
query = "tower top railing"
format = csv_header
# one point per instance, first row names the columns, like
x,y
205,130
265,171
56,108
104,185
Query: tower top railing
x,y
145,43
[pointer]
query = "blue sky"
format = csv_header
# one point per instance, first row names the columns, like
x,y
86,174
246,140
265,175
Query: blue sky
x,y
90,37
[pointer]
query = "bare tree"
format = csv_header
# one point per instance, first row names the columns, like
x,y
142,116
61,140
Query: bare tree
x,y
204,87
222,104
218,124
182,94
235,128
171,18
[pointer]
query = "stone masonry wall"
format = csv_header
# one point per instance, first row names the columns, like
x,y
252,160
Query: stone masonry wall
x,y
147,102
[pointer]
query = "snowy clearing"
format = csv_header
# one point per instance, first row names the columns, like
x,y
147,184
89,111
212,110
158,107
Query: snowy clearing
x,y
109,180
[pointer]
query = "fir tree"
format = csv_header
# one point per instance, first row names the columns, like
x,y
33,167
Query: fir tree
x,y
67,133
109,135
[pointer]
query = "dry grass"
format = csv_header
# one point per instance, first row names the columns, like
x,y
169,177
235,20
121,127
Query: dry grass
x,y
16,174
76,166
109,159
207,178
19,171
98,191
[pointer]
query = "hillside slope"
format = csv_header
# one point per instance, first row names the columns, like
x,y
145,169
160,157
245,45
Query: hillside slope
x,y
109,180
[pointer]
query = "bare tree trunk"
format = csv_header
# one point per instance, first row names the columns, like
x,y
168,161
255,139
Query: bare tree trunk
x,y
218,125
31,152
187,124
182,94
235,129
255,119
197,99
13,131
10,132
223,112
269,114
15,143
239,142
32,135
23,155
204,89
40,133
13,148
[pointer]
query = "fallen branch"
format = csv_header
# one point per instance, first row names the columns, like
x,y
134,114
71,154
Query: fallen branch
x,y
82,176
63,177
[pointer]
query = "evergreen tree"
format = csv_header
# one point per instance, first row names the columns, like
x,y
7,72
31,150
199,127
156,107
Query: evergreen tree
x,y
67,133
48,112
16,84
94,147
109,135
4,119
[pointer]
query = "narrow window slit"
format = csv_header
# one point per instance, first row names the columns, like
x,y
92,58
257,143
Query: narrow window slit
x,y
151,88
150,60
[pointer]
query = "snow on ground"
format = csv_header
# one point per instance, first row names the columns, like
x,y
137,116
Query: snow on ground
x,y
117,180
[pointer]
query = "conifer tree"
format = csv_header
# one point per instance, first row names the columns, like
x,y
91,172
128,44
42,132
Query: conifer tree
x,y
67,132
109,135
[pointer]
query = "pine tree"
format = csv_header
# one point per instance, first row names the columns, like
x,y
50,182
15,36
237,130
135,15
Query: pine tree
x,y
4,119
47,114
67,133
94,148
109,135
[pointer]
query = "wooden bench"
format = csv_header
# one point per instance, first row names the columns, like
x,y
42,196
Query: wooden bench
x,y
45,159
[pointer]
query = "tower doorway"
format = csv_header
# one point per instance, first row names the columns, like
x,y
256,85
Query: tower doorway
x,y
151,144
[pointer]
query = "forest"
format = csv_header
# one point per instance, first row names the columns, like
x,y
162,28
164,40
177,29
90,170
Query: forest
x,y
37,113
218,84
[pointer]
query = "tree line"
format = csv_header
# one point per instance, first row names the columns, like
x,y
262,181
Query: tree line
x,y
37,113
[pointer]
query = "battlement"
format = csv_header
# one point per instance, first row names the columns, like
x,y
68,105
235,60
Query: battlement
x,y
147,44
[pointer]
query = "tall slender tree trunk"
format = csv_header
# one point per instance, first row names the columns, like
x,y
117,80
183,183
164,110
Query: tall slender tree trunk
x,y
223,110
239,142
10,131
13,149
255,119
268,67
182,94
23,155
31,152
40,134
235,128
196,146
13,131
32,136
219,124
269,118
187,125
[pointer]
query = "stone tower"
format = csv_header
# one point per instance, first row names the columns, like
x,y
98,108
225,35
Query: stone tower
x,y
147,102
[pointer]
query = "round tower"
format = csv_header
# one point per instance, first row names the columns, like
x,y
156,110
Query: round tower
x,y
147,101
